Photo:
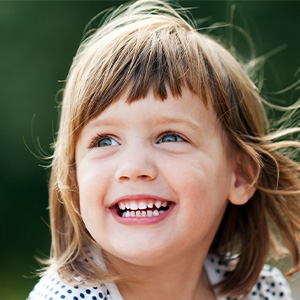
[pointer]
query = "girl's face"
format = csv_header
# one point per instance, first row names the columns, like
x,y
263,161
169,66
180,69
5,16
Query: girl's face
x,y
153,178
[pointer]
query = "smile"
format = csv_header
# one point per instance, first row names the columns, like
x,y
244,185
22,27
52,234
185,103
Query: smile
x,y
141,209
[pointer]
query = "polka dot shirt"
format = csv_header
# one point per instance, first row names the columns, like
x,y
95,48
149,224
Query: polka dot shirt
x,y
270,286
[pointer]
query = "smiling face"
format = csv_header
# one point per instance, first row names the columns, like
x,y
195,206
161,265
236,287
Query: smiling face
x,y
153,178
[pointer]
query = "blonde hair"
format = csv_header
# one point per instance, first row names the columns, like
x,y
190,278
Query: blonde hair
x,y
148,44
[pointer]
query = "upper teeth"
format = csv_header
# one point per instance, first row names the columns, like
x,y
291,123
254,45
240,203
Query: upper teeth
x,y
134,205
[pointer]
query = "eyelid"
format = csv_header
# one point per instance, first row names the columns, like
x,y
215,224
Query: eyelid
x,y
95,140
171,132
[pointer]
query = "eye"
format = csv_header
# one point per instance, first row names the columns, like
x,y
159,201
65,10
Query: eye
x,y
170,137
104,141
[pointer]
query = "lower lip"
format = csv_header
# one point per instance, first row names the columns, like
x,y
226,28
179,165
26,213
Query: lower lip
x,y
141,221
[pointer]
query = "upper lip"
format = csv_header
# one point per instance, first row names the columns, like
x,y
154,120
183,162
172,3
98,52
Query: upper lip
x,y
139,197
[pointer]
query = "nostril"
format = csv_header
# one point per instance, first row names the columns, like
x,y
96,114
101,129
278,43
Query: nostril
x,y
144,176
134,170
124,178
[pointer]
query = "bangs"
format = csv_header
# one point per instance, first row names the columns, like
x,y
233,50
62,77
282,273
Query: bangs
x,y
166,60
140,60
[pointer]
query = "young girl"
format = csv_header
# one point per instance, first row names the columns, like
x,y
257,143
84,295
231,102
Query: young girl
x,y
166,181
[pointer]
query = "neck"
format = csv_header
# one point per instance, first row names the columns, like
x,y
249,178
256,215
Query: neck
x,y
183,279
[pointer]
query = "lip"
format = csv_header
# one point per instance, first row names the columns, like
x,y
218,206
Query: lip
x,y
139,197
140,220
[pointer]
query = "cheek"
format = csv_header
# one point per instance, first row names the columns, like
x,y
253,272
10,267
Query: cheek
x,y
92,189
92,184
202,183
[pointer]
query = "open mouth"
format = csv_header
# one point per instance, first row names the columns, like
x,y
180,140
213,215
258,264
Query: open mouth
x,y
141,209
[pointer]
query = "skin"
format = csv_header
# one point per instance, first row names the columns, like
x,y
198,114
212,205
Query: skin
x,y
129,150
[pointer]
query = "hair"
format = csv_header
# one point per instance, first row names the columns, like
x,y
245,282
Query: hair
x,y
151,45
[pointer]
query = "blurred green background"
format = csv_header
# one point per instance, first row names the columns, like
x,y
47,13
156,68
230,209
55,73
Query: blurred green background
x,y
38,41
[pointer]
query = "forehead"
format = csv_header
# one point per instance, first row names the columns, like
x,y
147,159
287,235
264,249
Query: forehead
x,y
186,110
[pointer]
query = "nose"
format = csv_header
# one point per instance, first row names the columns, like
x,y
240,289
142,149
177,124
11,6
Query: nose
x,y
136,165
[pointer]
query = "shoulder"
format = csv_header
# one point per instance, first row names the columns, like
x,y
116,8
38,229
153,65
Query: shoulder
x,y
52,287
271,284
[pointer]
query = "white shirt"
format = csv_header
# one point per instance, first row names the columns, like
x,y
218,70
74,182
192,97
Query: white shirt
x,y
270,286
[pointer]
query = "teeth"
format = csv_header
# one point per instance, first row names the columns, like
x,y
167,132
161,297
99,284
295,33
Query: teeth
x,y
142,205
139,208
143,214
150,204
133,206
155,213
157,204
121,205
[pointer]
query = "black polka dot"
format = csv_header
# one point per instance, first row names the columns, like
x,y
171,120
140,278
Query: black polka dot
x,y
271,284
258,286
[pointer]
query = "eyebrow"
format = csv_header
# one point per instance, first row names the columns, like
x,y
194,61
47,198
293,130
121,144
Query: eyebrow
x,y
171,120
161,120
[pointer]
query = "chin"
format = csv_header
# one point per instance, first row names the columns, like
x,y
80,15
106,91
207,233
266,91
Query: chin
x,y
140,255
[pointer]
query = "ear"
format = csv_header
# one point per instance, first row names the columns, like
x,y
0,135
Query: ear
x,y
241,187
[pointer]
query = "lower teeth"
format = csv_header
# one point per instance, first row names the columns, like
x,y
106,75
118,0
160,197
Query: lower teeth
x,y
143,213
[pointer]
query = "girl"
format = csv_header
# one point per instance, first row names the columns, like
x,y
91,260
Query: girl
x,y
166,181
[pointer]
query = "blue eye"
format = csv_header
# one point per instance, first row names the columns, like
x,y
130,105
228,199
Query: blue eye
x,y
170,138
105,141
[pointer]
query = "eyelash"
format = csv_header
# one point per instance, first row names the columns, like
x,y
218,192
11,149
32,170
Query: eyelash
x,y
169,132
100,137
